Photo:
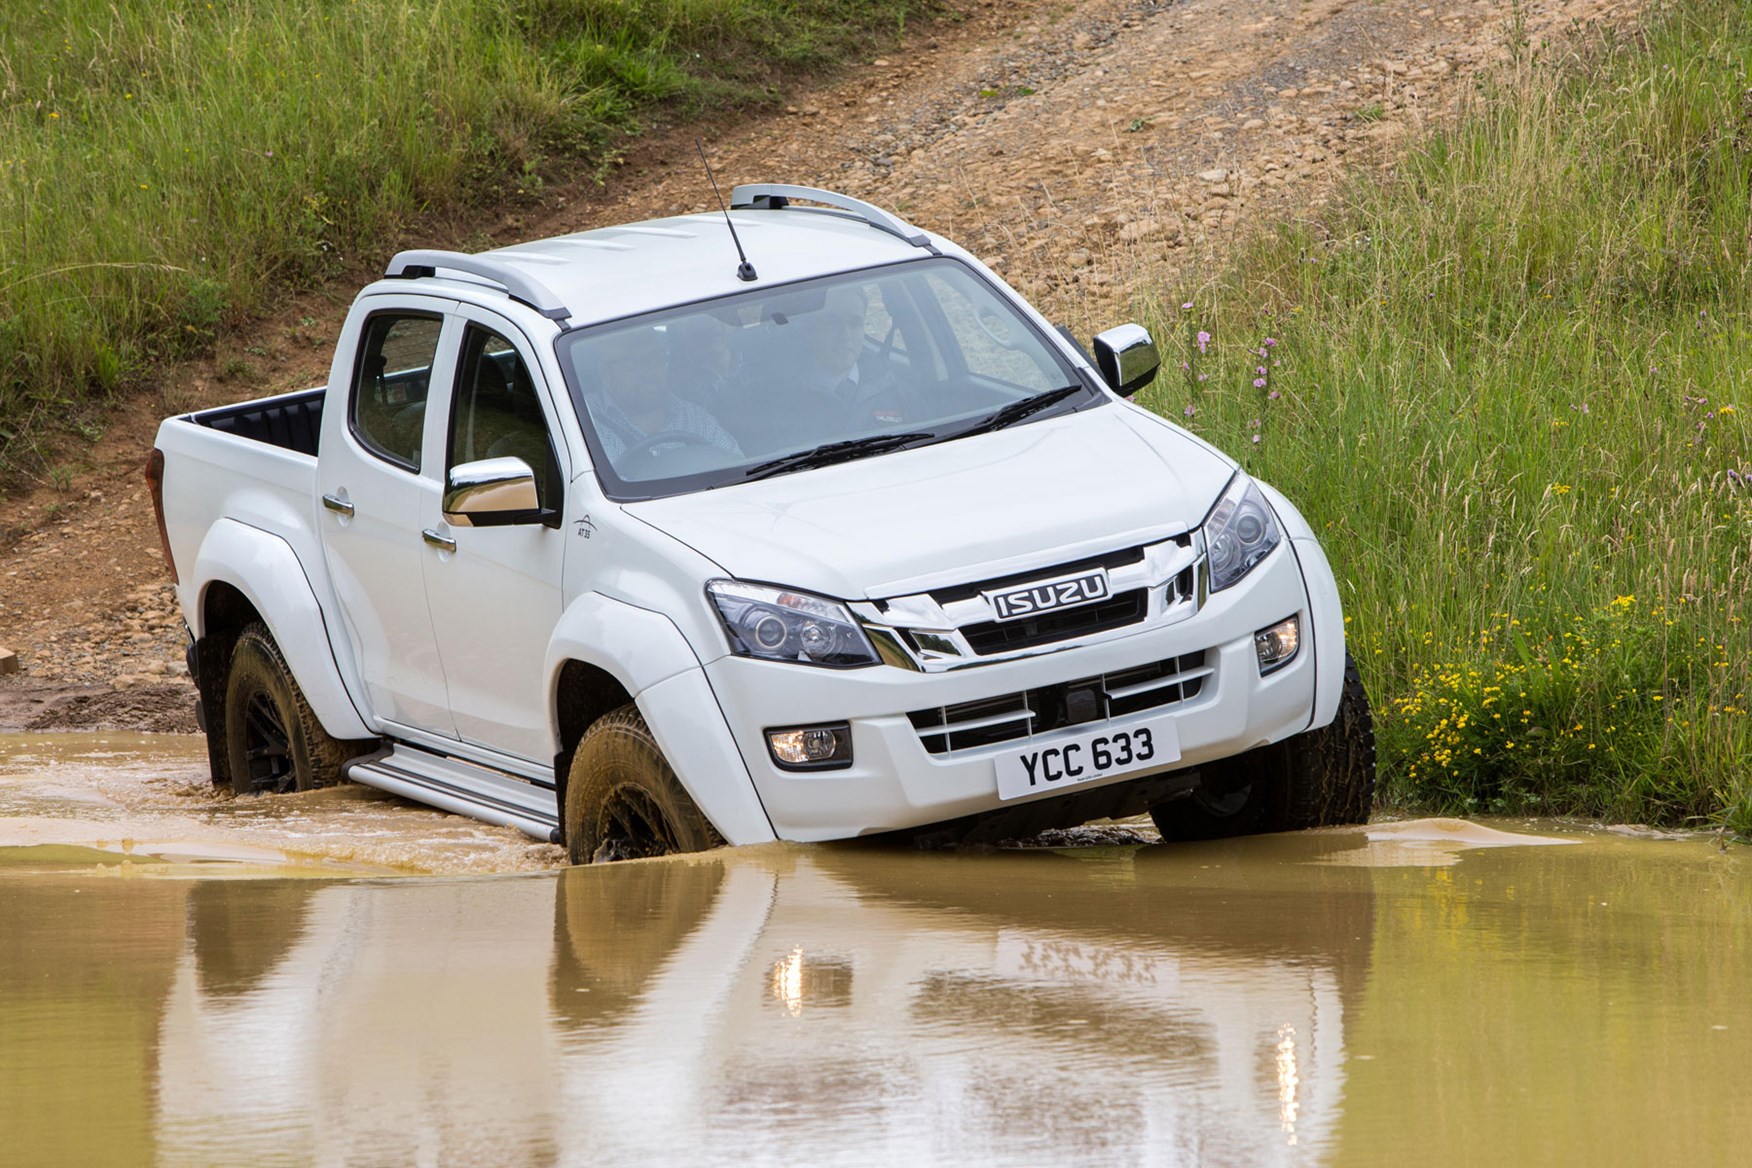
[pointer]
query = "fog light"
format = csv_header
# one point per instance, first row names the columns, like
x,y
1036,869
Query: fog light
x,y
811,747
1277,645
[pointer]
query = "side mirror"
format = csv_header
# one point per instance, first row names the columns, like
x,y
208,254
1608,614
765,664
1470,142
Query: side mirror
x,y
1127,358
494,492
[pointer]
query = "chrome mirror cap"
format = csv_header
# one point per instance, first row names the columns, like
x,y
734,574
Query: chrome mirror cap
x,y
491,493
1127,358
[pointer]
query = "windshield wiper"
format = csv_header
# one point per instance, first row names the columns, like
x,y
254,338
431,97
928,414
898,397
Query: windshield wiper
x,y
836,452
1017,410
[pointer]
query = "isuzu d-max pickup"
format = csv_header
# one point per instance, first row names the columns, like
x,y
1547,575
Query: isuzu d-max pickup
x,y
637,547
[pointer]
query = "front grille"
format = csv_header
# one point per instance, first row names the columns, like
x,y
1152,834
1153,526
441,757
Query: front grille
x,y
1115,612
1119,559
971,725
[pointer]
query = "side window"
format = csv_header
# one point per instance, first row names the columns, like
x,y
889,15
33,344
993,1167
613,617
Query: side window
x,y
993,343
497,413
388,411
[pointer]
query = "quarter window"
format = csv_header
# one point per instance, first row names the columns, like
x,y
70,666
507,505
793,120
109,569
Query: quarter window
x,y
389,390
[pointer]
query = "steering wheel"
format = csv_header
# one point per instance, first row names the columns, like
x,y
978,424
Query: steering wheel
x,y
648,447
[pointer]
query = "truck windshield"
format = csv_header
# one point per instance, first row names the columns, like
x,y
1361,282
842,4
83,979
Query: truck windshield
x,y
779,380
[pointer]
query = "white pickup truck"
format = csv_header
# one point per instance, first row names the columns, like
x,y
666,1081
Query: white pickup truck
x,y
635,547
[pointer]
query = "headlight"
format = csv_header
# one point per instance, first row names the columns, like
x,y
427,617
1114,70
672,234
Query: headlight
x,y
777,624
1239,532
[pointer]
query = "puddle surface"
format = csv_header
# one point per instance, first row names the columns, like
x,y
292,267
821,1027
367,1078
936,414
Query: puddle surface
x,y
1327,997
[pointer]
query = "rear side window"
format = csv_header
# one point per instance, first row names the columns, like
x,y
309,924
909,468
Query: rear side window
x,y
388,412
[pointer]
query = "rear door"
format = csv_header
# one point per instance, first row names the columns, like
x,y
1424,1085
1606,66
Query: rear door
x,y
495,595
378,473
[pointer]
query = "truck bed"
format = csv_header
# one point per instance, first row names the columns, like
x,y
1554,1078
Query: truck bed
x,y
292,422
252,463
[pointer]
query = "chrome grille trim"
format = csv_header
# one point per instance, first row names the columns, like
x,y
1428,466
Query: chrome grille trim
x,y
1017,717
1126,691
949,628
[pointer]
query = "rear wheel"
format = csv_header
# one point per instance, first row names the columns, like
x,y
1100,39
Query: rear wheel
x,y
623,801
273,742
1320,779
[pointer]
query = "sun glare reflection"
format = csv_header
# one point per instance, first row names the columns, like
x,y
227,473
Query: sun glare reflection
x,y
1288,1082
787,982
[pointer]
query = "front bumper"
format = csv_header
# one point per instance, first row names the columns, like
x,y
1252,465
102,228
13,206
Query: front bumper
x,y
894,782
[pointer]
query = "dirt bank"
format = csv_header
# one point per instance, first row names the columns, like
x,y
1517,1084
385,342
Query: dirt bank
x,y
1095,153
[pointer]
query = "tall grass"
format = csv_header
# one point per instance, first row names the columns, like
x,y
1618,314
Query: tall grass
x,y
1511,386
169,167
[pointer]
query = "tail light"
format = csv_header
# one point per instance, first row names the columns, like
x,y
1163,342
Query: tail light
x,y
155,480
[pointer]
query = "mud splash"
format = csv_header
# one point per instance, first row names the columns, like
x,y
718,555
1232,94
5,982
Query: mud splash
x,y
148,797
126,797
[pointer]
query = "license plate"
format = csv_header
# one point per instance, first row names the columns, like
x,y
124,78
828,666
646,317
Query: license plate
x,y
1083,758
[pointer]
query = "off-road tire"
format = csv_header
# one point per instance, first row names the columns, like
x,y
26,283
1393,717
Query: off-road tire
x,y
1323,778
623,801
273,742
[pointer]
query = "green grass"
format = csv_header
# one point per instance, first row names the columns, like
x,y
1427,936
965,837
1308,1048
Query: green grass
x,y
169,168
1511,387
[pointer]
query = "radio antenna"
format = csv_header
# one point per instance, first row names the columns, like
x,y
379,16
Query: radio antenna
x,y
744,270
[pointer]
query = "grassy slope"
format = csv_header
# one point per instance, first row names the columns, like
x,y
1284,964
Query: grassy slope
x,y
1512,388
168,166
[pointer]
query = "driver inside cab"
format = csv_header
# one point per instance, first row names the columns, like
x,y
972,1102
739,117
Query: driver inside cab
x,y
633,407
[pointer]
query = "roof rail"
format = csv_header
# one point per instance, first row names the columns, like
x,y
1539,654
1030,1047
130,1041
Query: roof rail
x,y
520,284
772,196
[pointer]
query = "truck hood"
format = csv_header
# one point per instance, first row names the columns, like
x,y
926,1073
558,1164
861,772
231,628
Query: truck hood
x,y
970,509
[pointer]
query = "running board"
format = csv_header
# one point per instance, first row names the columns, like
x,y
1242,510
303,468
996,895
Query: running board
x,y
450,784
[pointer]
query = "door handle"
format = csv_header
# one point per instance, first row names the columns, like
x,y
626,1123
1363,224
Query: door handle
x,y
442,542
337,504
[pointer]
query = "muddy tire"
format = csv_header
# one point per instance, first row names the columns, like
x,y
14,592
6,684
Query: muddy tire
x,y
1320,779
273,742
623,801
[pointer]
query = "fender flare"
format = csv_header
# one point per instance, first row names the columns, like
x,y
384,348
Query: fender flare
x,y
653,661
1325,609
266,570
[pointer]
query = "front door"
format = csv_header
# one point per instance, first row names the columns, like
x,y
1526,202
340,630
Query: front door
x,y
496,599
377,477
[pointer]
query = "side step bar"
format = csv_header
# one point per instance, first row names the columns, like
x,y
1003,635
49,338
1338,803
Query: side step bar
x,y
459,787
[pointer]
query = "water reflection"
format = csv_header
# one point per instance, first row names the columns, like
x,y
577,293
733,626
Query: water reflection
x,y
87,959
1275,1001
1116,1005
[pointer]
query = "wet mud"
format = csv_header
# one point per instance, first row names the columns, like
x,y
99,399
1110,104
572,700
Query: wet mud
x,y
1431,991
149,797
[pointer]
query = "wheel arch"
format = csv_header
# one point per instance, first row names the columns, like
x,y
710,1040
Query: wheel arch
x,y
582,694
1326,608
605,648
246,574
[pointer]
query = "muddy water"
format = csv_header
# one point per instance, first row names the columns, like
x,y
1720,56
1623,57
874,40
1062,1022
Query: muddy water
x,y
1429,992
148,798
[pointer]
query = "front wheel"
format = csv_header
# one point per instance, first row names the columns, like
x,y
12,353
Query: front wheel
x,y
1323,778
273,742
623,801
